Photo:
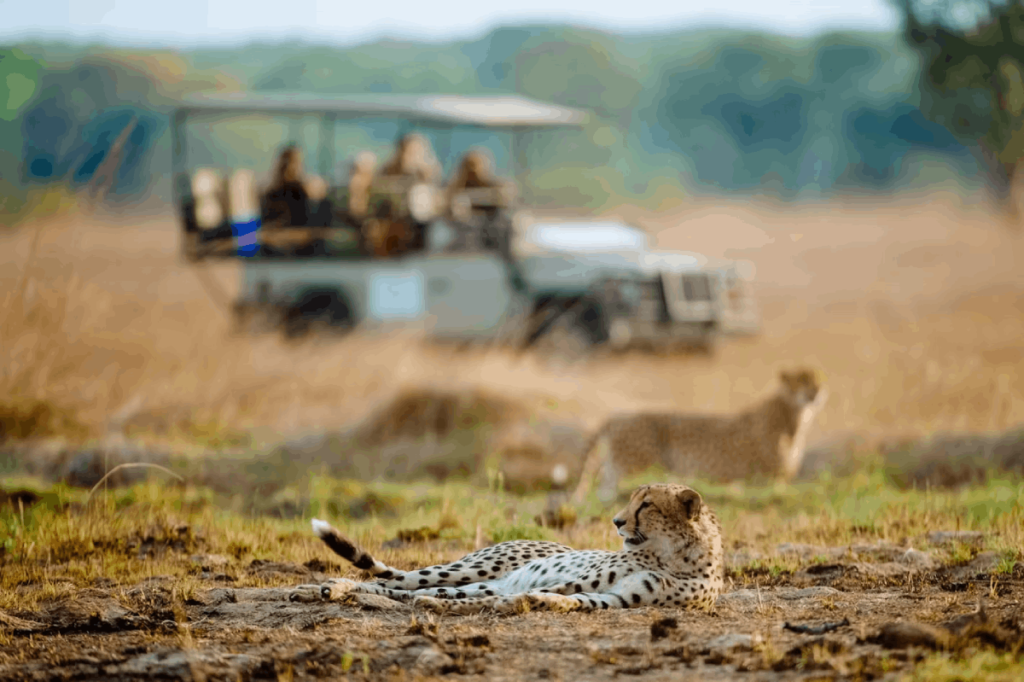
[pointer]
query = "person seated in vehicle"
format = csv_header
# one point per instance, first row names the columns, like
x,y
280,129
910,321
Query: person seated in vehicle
x,y
356,210
286,199
361,175
413,162
414,158
475,171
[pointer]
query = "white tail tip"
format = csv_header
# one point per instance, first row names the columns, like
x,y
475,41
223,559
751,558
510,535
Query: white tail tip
x,y
321,528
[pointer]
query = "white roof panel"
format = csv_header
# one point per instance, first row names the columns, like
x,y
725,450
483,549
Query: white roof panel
x,y
503,111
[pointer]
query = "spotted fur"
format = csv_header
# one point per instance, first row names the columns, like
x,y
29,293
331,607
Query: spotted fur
x,y
671,556
766,440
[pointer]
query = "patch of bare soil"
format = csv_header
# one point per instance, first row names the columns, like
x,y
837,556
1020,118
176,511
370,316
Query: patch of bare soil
x,y
865,613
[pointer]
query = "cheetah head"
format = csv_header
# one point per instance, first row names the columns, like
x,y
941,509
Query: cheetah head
x,y
801,387
663,517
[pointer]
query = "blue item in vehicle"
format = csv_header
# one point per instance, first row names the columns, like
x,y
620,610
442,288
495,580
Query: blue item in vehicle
x,y
246,230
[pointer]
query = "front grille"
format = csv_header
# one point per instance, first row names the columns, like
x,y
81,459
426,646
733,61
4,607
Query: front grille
x,y
696,288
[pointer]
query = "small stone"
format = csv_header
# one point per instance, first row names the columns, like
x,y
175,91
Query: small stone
x,y
984,562
221,596
743,557
888,569
917,558
660,628
431,660
906,635
801,550
738,597
809,593
729,643
377,602
209,560
944,537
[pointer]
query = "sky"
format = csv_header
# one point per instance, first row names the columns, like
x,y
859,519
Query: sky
x,y
190,22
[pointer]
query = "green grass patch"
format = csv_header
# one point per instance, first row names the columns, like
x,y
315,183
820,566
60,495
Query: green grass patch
x,y
155,527
985,666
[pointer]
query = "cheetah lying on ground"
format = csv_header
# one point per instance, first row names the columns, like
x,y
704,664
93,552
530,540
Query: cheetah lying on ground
x,y
671,556
767,439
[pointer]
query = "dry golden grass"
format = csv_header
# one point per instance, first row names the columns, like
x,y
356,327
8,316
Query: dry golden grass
x,y
984,666
910,309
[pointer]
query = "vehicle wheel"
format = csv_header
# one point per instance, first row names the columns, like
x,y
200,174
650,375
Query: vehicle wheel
x,y
513,330
318,307
241,322
190,246
706,346
565,343
255,322
296,325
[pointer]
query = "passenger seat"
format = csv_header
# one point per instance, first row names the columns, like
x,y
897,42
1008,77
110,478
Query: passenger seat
x,y
209,197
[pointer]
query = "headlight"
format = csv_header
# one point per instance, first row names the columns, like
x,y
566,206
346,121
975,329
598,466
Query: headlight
x,y
620,334
422,202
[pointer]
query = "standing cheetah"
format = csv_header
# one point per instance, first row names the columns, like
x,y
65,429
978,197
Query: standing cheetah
x,y
765,440
671,556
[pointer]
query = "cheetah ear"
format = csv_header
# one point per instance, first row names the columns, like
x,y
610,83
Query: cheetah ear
x,y
691,503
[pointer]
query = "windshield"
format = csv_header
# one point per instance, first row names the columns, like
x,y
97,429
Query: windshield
x,y
585,237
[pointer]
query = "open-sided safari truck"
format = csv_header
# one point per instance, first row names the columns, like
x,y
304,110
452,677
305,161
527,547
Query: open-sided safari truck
x,y
463,264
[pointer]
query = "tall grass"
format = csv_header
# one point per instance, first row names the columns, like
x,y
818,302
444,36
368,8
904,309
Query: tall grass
x,y
102,322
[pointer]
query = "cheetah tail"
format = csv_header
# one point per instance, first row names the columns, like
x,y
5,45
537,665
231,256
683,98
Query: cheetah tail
x,y
348,550
591,466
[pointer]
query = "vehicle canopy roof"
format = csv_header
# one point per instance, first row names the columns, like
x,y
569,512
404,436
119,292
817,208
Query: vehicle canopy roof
x,y
500,111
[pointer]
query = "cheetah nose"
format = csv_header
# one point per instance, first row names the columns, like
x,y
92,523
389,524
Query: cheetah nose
x,y
619,523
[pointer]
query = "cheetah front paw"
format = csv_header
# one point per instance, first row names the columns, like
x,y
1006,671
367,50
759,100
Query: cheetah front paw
x,y
558,603
306,594
430,604
336,588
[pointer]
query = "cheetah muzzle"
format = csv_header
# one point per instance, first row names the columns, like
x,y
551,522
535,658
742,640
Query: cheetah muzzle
x,y
671,556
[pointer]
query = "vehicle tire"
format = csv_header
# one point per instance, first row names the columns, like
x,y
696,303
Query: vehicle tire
x,y
706,347
295,325
317,306
254,321
566,342
241,321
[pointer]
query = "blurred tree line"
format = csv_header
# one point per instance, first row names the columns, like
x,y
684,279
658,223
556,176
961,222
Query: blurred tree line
x,y
714,110
971,80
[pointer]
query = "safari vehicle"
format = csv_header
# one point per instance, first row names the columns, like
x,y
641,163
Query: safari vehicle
x,y
484,269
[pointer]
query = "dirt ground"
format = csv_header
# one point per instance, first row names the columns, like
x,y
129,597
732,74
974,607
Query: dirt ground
x,y
874,611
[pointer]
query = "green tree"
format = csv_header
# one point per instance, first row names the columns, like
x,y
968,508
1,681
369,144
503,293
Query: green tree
x,y
972,78
19,76
19,82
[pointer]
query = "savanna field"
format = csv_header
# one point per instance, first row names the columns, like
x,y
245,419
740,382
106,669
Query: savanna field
x,y
863,568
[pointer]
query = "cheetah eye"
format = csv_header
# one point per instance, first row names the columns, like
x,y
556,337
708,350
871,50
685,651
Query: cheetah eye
x,y
636,516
